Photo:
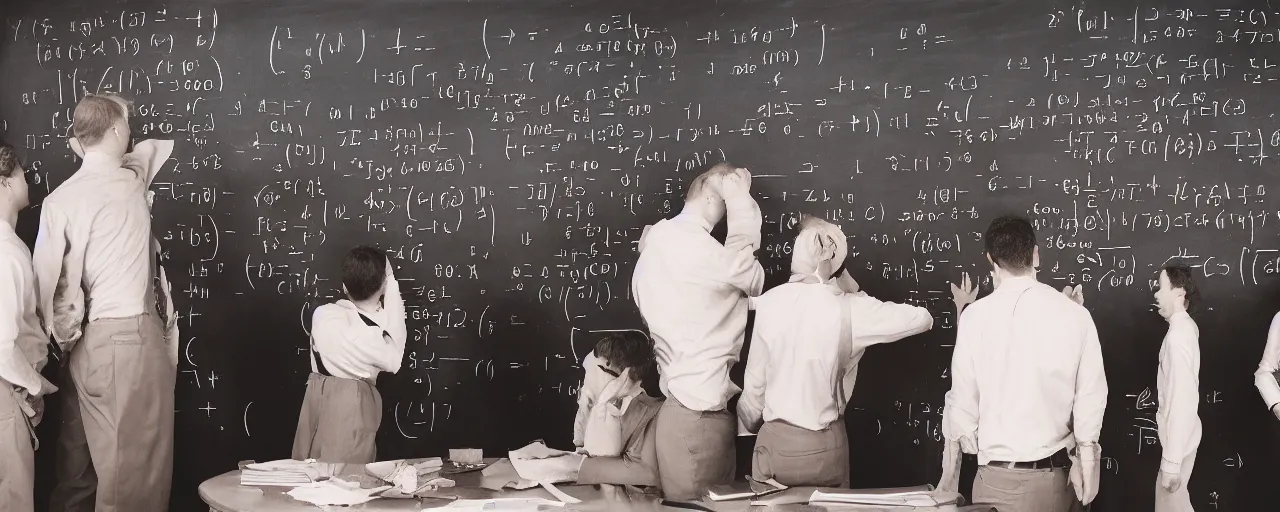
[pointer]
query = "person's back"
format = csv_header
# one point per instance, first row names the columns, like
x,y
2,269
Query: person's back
x,y
692,292
1032,339
1028,388
94,262
809,335
352,341
111,204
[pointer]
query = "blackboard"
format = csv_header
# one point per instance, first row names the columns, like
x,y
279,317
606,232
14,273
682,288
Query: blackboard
x,y
509,153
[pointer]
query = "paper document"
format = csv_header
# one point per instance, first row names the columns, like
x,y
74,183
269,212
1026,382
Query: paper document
x,y
335,492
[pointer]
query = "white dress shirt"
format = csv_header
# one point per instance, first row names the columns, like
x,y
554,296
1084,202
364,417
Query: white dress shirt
x,y
692,292
1265,377
352,349
1178,388
798,365
94,247
1026,375
23,344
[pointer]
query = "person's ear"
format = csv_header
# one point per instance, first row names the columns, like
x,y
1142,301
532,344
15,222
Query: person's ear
x,y
76,147
1035,257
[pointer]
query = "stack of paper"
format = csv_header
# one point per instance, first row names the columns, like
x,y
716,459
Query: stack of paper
x,y
281,473
409,477
905,499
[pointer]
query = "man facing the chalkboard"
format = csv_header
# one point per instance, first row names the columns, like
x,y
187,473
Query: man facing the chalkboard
x,y
1027,386
809,336
352,341
23,346
692,292
95,262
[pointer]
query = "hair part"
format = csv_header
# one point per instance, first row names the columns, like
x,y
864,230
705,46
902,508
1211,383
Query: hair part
x,y
364,270
1181,276
95,115
9,163
628,350
1010,242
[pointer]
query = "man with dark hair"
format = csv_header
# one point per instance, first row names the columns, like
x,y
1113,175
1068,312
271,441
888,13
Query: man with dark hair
x,y
1027,386
619,435
809,336
352,340
96,270
1178,387
692,292
23,345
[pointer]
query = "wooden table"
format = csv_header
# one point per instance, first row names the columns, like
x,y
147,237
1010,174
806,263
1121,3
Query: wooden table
x,y
224,493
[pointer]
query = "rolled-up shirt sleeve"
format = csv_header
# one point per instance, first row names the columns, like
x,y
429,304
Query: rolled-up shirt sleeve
x,y
59,266
876,321
960,412
15,368
1265,378
1091,389
1184,416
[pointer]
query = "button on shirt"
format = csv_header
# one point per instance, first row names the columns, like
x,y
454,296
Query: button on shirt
x,y
94,245
797,364
1178,387
23,344
1265,377
352,349
692,292
1027,374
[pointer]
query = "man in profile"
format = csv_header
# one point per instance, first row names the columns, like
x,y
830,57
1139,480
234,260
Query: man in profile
x,y
23,346
1178,388
95,264
1027,386
692,292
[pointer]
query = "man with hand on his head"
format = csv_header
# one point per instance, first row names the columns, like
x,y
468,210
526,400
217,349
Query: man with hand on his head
x,y
808,338
692,292
95,264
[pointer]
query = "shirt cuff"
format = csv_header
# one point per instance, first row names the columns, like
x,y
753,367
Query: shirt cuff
x,y
1171,467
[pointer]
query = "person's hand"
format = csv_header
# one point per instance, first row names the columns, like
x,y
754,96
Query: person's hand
x,y
1275,409
621,386
964,294
1170,481
735,184
37,407
1075,294
951,460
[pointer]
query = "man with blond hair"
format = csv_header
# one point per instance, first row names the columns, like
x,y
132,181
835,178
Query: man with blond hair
x,y
809,336
692,292
95,263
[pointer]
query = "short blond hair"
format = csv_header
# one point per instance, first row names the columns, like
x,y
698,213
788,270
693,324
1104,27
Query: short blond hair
x,y
698,184
95,114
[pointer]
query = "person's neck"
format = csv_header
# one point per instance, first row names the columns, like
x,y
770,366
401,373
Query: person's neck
x,y
702,216
9,215
368,305
1177,310
1004,276
101,153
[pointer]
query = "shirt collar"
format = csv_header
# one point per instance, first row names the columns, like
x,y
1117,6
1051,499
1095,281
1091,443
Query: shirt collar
x,y
1180,315
695,220
99,160
6,231
1017,283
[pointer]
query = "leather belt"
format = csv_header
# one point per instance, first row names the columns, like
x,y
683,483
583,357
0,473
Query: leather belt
x,y
1057,460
